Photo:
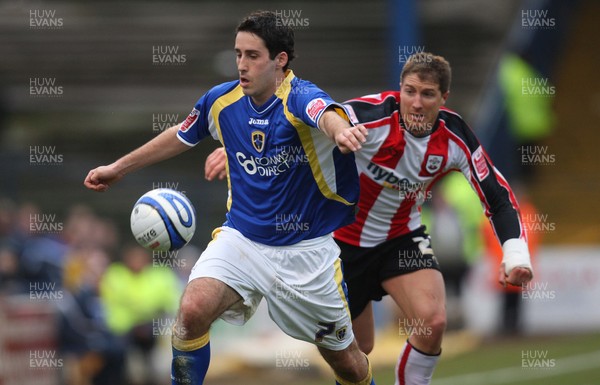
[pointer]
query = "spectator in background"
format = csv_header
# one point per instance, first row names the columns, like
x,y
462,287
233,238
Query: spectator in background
x,y
94,353
11,243
136,295
528,98
43,249
11,281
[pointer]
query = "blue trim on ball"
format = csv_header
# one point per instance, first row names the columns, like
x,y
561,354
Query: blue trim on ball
x,y
177,241
186,205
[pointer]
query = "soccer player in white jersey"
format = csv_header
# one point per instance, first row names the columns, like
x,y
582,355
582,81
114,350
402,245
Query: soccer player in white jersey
x,y
291,184
413,142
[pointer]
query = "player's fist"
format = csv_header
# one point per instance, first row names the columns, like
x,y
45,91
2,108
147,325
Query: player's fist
x,y
214,166
518,276
99,179
515,268
350,139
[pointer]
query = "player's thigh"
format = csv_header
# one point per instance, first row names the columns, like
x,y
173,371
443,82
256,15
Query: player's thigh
x,y
420,294
225,282
308,298
364,329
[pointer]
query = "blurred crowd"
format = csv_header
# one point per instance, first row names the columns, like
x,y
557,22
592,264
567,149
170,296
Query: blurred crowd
x,y
113,302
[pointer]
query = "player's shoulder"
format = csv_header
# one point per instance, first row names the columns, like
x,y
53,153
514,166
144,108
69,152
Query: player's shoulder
x,y
373,107
297,82
303,91
220,90
454,123
223,88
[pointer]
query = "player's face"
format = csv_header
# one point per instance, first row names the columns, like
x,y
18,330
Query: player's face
x,y
420,102
259,75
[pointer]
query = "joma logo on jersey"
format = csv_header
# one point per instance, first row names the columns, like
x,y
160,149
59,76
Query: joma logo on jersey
x,y
258,122
258,140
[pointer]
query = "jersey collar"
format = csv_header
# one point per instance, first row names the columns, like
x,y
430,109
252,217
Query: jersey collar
x,y
434,129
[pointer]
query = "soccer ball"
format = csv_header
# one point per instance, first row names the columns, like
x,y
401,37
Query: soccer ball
x,y
163,219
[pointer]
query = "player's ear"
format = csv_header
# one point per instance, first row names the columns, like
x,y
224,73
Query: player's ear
x,y
445,97
281,59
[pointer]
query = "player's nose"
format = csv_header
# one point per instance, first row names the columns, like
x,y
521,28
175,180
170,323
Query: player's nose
x,y
417,105
242,65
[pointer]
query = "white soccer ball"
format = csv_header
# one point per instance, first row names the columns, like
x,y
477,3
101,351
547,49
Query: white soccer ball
x,y
163,219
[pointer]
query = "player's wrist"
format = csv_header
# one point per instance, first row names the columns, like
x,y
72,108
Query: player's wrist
x,y
515,254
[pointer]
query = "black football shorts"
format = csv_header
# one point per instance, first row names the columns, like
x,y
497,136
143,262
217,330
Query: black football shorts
x,y
366,267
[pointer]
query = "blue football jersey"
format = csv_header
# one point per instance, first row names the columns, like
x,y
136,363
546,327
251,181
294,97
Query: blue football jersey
x,y
287,180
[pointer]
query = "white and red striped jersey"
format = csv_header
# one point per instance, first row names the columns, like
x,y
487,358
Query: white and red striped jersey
x,y
398,169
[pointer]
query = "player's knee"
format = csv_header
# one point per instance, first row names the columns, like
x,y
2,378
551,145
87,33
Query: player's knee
x,y
190,319
434,328
437,323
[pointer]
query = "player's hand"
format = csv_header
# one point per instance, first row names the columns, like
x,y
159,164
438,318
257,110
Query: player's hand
x,y
214,166
350,139
518,276
99,179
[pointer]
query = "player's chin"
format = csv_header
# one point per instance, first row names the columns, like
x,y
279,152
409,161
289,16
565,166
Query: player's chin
x,y
247,92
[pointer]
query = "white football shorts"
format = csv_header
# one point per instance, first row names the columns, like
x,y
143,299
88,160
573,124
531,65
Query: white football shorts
x,y
302,284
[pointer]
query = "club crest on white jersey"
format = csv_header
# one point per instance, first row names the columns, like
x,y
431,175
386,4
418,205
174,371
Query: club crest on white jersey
x,y
434,163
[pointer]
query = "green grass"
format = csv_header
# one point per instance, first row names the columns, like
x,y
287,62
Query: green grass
x,y
561,360
567,360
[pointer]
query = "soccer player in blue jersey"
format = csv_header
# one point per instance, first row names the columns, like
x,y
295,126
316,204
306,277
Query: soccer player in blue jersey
x,y
291,183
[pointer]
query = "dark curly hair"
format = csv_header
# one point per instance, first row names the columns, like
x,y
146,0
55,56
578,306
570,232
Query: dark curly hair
x,y
268,26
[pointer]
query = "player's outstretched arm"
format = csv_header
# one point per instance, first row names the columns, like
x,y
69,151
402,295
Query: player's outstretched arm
x,y
348,138
164,146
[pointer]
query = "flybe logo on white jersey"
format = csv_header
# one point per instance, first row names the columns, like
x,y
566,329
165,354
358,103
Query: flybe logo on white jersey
x,y
258,122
